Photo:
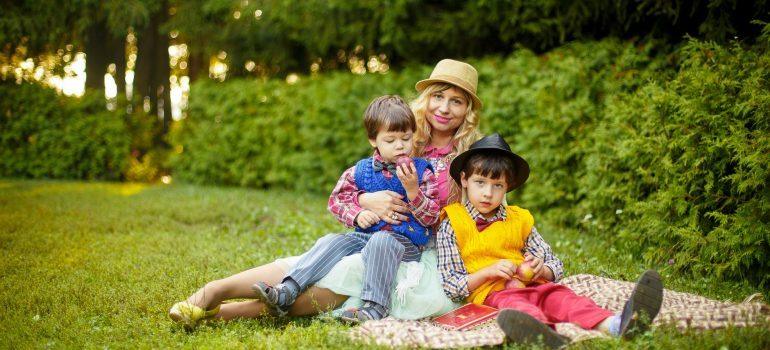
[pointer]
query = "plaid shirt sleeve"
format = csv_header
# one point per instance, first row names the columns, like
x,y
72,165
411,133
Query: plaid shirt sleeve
x,y
537,246
454,276
425,207
343,203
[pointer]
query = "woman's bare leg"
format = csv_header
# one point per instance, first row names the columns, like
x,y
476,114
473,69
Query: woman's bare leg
x,y
236,286
241,309
311,302
315,300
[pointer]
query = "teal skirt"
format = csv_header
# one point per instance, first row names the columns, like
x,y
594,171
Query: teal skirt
x,y
417,293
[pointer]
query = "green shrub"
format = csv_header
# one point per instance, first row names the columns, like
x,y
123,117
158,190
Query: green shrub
x,y
685,164
548,107
43,135
270,133
662,152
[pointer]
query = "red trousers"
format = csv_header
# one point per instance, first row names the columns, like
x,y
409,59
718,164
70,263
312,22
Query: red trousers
x,y
550,303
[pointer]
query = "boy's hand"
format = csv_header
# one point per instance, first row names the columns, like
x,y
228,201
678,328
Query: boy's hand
x,y
366,219
537,266
501,269
408,176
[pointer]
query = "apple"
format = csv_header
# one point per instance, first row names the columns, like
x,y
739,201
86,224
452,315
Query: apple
x,y
514,283
405,161
525,272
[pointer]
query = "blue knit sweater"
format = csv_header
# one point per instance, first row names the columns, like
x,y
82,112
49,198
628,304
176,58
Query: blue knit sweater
x,y
369,180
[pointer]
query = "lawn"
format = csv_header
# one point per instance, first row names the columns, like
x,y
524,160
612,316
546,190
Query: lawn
x,y
97,265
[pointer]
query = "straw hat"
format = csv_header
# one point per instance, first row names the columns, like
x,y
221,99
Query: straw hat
x,y
457,73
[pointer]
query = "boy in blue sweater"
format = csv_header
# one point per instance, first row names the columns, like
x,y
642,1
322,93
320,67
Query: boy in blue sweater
x,y
390,125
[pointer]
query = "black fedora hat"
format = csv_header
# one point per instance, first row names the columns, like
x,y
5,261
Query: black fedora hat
x,y
492,144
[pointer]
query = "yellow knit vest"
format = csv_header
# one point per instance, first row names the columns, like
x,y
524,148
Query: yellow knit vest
x,y
500,240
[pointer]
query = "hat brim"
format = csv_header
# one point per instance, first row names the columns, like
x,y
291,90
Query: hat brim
x,y
423,84
521,167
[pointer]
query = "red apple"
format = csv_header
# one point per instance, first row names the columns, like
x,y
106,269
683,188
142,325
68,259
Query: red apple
x,y
525,272
406,161
514,283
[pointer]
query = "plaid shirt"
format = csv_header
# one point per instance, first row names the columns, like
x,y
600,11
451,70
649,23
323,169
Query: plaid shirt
x,y
343,202
454,276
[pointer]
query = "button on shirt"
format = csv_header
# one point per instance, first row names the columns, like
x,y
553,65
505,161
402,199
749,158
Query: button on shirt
x,y
454,276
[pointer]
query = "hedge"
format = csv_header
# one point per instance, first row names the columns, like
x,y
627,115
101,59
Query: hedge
x,y
661,151
270,133
44,135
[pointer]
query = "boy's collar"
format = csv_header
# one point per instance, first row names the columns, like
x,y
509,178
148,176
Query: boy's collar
x,y
377,156
476,215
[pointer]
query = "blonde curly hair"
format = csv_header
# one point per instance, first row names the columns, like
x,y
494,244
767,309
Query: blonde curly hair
x,y
465,135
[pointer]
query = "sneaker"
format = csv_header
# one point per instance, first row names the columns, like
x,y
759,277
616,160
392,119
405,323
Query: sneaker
x,y
278,300
522,328
643,305
369,312
189,314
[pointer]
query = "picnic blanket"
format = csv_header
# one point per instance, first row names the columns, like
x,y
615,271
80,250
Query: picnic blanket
x,y
684,310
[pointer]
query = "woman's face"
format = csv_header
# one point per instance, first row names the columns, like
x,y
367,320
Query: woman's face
x,y
446,110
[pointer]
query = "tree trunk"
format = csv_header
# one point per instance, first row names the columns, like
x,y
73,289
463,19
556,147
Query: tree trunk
x,y
97,54
197,67
102,49
118,50
152,67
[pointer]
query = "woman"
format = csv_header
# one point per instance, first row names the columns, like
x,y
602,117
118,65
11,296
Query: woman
x,y
446,112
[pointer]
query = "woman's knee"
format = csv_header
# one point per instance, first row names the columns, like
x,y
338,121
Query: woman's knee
x,y
215,288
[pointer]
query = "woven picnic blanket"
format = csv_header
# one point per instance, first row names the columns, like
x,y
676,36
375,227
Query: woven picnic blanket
x,y
684,310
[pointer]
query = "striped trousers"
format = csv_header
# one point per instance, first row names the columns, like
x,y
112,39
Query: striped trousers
x,y
381,251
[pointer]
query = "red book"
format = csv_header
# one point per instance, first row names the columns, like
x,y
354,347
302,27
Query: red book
x,y
466,317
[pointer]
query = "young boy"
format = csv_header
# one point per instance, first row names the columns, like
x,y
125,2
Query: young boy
x,y
389,125
482,241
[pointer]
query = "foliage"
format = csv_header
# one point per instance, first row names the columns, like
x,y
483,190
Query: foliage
x,y
294,36
664,154
686,160
104,264
43,135
42,26
661,153
271,133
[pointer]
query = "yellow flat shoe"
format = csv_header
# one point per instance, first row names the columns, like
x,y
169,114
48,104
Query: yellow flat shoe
x,y
189,314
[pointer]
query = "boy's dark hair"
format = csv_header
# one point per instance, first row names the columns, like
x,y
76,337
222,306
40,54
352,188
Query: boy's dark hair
x,y
389,112
490,164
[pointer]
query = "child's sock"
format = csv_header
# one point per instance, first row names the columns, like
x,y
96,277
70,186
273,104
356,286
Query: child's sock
x,y
614,325
610,325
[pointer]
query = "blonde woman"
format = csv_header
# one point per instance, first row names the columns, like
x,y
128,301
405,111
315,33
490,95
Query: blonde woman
x,y
446,113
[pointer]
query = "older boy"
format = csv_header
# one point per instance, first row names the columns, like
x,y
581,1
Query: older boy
x,y
389,124
481,242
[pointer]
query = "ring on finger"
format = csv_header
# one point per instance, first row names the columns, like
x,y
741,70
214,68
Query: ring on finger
x,y
393,216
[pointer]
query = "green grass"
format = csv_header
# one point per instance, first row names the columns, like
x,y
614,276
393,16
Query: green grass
x,y
97,265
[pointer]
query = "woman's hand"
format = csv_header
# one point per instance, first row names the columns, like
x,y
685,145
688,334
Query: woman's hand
x,y
386,204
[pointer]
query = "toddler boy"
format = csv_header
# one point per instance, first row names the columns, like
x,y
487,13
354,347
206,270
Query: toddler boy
x,y
390,125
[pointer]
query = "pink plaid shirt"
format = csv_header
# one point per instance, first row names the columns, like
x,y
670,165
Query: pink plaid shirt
x,y
343,202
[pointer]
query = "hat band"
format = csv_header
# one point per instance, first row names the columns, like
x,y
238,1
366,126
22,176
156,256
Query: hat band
x,y
465,84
